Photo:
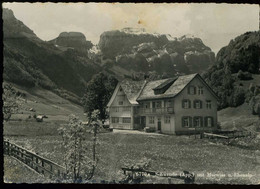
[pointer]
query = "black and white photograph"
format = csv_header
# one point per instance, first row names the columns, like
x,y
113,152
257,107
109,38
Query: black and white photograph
x,y
131,93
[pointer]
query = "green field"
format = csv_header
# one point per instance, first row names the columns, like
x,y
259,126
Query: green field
x,y
211,162
167,154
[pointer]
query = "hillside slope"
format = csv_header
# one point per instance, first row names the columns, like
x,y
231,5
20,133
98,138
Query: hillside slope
x,y
29,61
232,77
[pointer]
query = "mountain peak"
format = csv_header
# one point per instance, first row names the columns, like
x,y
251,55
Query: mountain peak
x,y
75,40
72,35
13,28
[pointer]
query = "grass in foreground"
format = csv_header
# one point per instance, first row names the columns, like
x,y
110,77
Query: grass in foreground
x,y
15,172
167,154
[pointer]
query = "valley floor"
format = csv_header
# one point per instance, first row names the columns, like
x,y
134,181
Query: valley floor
x,y
211,162
208,160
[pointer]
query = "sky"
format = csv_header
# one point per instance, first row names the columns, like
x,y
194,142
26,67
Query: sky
x,y
215,24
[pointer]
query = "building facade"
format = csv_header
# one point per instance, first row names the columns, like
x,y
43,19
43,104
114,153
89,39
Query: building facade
x,y
173,106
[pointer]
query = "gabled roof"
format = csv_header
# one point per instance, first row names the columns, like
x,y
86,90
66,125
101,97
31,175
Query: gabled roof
x,y
178,85
131,88
142,90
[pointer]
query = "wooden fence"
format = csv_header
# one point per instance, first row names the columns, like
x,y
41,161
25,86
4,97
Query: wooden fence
x,y
226,135
34,161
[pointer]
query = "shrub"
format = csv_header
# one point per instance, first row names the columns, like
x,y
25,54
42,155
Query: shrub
x,y
244,75
149,129
237,98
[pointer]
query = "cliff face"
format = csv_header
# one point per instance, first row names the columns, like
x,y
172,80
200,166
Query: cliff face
x,y
73,40
141,51
113,43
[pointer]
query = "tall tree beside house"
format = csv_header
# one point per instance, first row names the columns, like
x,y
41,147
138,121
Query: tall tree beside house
x,y
98,93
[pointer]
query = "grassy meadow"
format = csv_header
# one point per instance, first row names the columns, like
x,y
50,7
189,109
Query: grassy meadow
x,y
167,154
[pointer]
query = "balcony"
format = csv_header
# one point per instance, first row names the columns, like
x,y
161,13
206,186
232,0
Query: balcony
x,y
166,110
120,109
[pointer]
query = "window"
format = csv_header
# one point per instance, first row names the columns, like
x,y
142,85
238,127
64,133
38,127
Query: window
x,y
115,109
167,119
200,90
209,122
197,104
158,104
126,119
151,120
197,122
186,122
147,105
192,90
115,119
120,102
168,103
208,104
127,109
185,103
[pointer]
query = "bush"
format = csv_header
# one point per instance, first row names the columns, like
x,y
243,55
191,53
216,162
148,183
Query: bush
x,y
149,129
237,98
244,75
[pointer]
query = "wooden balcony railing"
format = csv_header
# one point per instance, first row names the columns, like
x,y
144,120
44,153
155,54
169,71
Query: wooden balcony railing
x,y
165,110
120,109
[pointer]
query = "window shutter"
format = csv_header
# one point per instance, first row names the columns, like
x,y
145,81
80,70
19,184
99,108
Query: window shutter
x,y
212,125
189,90
200,104
205,122
190,121
201,121
182,103
182,121
195,88
189,103
194,121
194,104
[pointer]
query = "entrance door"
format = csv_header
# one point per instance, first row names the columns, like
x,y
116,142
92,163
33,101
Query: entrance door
x,y
142,122
159,123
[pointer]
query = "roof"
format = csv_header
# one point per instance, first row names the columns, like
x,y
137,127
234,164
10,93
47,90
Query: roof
x,y
167,82
178,85
142,90
132,89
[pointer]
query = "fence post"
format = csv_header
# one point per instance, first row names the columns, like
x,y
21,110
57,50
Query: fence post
x,y
8,148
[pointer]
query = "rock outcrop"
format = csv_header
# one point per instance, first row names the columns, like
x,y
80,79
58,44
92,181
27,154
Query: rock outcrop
x,y
73,40
141,51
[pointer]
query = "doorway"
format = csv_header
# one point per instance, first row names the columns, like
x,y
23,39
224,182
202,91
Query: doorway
x,y
159,123
142,122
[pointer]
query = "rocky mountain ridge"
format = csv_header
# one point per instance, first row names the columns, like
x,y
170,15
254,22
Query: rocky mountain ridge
x,y
138,50
73,40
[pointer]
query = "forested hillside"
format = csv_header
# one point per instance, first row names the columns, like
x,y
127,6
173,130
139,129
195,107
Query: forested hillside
x,y
235,76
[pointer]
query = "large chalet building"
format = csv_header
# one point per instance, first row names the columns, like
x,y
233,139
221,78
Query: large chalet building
x,y
173,106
